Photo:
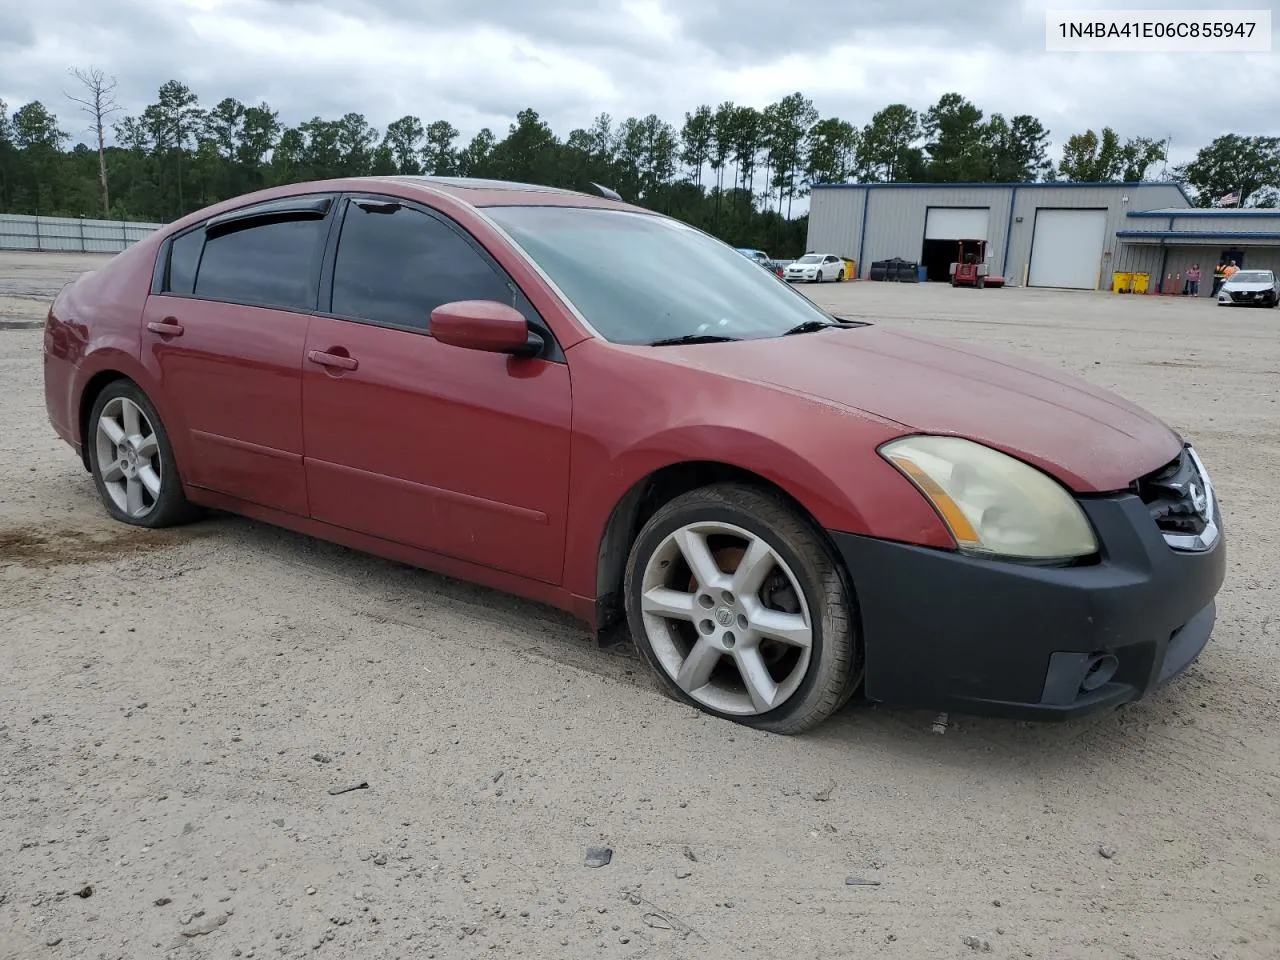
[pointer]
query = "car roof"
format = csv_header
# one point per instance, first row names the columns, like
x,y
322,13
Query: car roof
x,y
481,192
467,191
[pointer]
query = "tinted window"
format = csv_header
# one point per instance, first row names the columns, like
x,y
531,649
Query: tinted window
x,y
395,265
183,257
637,278
267,264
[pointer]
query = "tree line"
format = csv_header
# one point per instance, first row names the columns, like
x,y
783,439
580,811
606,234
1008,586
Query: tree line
x,y
731,169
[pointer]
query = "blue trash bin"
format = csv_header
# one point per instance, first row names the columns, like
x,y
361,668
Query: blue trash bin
x,y
922,272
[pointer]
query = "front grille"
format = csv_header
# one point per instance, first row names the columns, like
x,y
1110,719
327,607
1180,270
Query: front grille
x,y
1177,497
1239,297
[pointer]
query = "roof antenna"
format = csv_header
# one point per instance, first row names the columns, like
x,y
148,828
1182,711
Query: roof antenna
x,y
606,192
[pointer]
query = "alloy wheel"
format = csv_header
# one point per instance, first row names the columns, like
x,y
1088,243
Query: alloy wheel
x,y
128,457
726,618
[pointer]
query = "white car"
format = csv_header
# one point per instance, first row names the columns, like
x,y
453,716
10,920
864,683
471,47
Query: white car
x,y
815,268
1250,288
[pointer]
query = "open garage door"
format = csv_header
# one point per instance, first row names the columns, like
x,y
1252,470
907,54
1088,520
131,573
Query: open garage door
x,y
1066,248
957,223
944,228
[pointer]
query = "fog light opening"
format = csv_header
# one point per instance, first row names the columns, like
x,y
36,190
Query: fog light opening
x,y
1100,670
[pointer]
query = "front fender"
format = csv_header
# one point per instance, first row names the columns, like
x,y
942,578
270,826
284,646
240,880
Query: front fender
x,y
823,456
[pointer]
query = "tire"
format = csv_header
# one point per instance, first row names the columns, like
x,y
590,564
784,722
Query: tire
x,y
840,275
801,686
150,477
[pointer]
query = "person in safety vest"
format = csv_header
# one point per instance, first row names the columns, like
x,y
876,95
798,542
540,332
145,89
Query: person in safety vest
x,y
1219,275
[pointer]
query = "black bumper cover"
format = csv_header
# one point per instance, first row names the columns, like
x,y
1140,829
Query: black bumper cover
x,y
948,632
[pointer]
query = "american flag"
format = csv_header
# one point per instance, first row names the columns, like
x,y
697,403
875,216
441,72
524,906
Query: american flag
x,y
1227,200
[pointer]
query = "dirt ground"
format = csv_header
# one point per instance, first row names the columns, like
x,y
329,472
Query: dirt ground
x,y
177,706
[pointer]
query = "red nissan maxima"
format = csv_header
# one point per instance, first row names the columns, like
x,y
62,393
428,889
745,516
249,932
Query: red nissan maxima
x,y
600,408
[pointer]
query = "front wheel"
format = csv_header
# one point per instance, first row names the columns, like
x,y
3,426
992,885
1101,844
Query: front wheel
x,y
741,610
132,461
840,275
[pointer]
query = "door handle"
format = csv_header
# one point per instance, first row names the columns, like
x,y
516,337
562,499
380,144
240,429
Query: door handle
x,y
168,327
333,360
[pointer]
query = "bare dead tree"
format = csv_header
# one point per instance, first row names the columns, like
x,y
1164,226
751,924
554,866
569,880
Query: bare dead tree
x,y
99,102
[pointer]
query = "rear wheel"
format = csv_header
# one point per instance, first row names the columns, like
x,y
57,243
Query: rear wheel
x,y
840,275
741,610
132,461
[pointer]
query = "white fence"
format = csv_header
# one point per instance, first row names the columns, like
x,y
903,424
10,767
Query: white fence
x,y
65,234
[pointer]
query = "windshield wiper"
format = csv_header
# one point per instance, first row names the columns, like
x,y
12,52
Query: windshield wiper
x,y
693,338
811,326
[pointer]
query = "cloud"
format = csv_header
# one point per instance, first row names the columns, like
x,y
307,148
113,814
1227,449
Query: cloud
x,y
477,64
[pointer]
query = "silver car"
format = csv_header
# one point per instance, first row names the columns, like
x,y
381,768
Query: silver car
x,y
1250,288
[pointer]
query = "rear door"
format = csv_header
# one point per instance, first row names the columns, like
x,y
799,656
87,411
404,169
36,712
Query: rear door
x,y
225,336
455,451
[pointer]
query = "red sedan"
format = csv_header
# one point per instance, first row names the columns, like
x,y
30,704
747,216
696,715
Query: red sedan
x,y
588,404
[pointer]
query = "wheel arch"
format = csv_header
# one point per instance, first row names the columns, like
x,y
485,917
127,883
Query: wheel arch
x,y
651,492
84,407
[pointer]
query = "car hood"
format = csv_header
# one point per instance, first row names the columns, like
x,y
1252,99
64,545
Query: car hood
x,y
1091,439
1249,287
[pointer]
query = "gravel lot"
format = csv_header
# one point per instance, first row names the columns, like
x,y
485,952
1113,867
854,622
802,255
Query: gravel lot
x,y
177,706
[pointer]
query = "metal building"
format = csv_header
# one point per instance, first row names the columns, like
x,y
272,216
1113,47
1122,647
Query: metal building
x,y
1065,235
1164,243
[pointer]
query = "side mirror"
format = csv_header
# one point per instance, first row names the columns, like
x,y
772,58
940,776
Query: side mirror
x,y
484,325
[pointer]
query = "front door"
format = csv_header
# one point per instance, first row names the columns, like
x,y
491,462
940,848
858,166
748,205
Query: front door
x,y
225,336
456,451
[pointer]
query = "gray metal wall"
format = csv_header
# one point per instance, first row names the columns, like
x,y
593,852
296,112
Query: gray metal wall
x,y
835,222
895,218
20,232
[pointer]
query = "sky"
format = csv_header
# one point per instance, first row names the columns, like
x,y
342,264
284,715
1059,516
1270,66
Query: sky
x,y
476,63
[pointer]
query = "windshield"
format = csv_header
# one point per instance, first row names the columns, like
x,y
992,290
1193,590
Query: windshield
x,y
638,278
1252,276
810,258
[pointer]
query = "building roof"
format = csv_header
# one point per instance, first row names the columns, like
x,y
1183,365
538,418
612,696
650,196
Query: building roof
x,y
1205,212
1197,236
1018,185
1026,184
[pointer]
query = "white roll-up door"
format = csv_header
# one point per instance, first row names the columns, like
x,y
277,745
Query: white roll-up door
x,y
957,223
1066,248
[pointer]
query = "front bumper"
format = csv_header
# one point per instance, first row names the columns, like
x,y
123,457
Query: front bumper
x,y
945,631
1260,298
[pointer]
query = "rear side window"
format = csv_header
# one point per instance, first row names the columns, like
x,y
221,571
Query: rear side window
x,y
267,264
184,257
395,265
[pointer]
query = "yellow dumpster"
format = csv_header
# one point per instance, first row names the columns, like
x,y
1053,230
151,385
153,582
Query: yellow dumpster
x,y
850,268
1141,283
1121,282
